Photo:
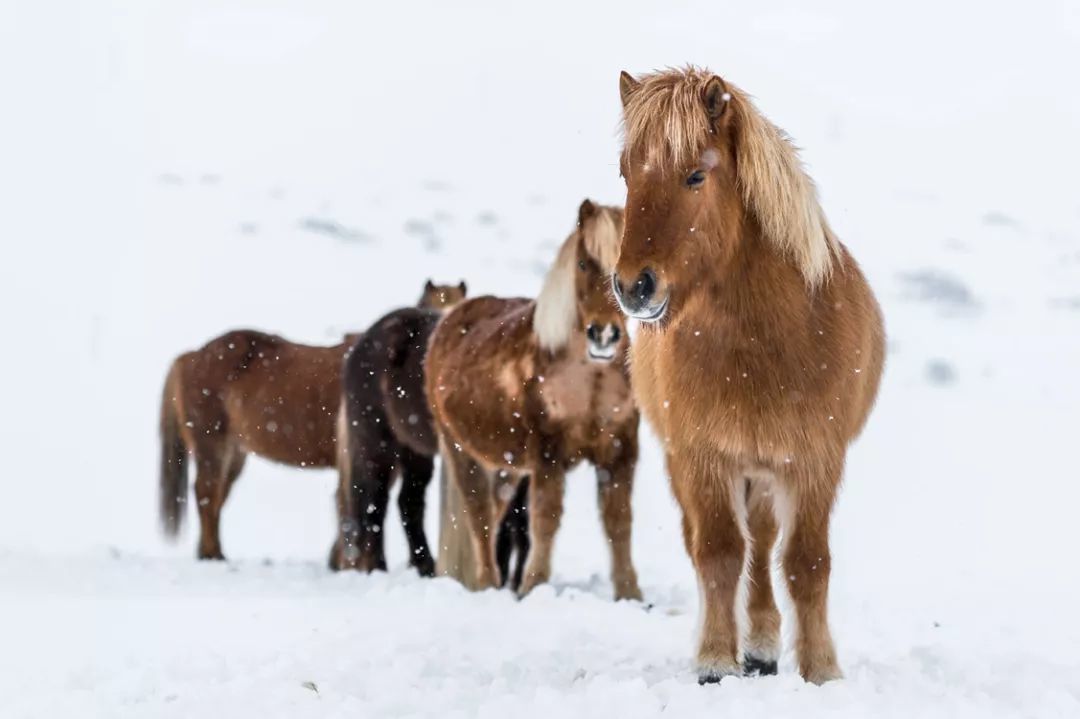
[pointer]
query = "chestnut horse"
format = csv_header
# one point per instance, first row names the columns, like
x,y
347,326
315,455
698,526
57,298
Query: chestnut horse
x,y
522,387
759,356
250,392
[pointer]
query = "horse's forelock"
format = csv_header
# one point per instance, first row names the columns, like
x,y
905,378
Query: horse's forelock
x,y
602,236
664,118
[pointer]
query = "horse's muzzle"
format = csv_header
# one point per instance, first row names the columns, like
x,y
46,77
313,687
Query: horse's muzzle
x,y
639,300
602,341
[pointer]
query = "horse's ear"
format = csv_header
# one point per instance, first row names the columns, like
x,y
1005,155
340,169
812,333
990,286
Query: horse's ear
x,y
429,285
627,86
587,210
462,287
716,97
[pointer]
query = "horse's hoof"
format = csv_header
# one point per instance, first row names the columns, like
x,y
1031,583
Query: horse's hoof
x,y
425,567
754,667
712,674
823,674
211,556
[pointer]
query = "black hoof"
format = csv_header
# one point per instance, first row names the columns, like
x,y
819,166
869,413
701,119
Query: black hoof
x,y
425,568
754,667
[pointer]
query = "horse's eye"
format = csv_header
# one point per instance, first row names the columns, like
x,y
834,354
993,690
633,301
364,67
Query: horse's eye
x,y
695,179
581,264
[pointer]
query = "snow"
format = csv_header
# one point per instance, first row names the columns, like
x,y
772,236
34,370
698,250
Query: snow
x,y
174,170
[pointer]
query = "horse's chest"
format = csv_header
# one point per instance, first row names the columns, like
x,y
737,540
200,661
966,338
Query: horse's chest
x,y
581,398
566,392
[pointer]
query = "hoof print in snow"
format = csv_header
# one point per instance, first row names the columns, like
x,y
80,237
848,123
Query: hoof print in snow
x,y
940,372
940,289
334,229
999,219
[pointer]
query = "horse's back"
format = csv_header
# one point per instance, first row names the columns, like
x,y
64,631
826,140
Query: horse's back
x,y
264,394
476,324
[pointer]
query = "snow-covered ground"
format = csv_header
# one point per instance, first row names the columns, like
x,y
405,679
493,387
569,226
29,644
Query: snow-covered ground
x,y
170,170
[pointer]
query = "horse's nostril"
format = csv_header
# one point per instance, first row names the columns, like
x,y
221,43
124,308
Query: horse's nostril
x,y
644,287
616,286
593,333
614,334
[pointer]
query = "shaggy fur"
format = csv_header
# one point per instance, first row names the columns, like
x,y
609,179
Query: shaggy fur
x,y
250,392
666,125
517,389
760,361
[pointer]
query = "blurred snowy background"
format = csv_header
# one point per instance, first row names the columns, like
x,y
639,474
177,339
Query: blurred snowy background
x,y
172,170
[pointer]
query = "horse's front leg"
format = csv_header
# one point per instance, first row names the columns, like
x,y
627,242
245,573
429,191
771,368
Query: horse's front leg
x,y
710,500
614,484
546,487
807,565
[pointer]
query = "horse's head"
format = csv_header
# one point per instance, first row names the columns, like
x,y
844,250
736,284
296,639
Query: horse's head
x,y
441,297
576,296
706,173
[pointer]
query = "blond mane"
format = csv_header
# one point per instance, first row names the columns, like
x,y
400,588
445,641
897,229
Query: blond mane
x,y
556,305
665,120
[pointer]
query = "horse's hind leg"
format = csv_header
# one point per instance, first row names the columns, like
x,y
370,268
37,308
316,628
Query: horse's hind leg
x,y
363,498
211,487
519,514
481,518
416,471
614,486
504,547
762,648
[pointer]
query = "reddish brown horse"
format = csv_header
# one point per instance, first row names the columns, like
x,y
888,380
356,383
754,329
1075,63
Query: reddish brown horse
x,y
521,387
759,358
250,392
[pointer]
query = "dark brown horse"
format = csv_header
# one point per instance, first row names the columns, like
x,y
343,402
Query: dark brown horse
x,y
522,387
250,392
759,357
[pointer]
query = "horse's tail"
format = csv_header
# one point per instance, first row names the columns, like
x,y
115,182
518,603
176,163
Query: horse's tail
x,y
173,482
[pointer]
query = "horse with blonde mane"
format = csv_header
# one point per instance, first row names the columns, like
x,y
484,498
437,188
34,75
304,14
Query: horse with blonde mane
x,y
759,357
530,388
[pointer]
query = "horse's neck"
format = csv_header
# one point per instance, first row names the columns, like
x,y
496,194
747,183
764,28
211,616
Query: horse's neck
x,y
762,293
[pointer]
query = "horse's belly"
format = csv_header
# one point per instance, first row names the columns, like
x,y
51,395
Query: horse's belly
x,y
296,428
